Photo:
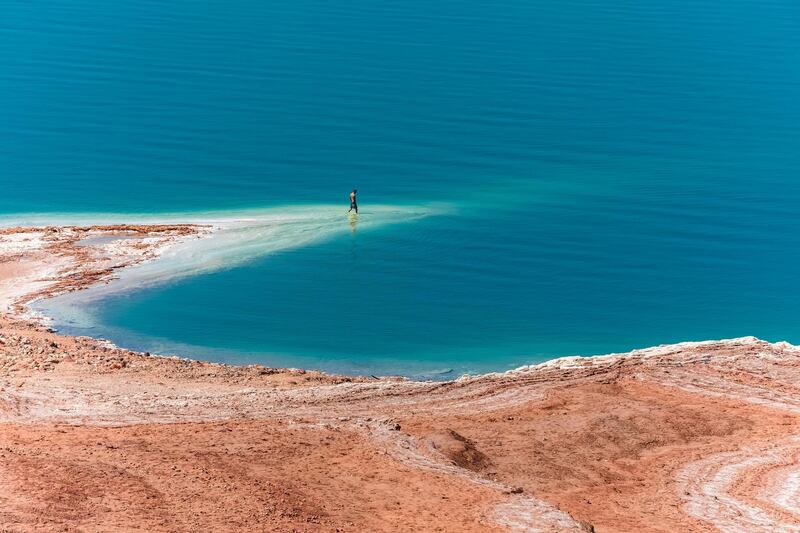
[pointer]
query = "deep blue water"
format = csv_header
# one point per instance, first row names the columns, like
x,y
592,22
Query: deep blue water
x,y
618,174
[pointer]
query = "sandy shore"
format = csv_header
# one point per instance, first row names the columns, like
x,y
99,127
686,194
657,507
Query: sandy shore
x,y
689,437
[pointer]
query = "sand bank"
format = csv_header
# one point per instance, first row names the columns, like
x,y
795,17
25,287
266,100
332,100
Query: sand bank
x,y
689,437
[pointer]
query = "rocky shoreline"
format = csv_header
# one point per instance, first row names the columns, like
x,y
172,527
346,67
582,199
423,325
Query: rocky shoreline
x,y
691,437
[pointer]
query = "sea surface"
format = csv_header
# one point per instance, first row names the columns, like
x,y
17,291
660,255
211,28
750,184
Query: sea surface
x,y
536,178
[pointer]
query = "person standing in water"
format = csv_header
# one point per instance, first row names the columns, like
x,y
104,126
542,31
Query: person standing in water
x,y
353,203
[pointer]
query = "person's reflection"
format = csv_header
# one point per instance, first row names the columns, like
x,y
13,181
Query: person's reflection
x,y
353,222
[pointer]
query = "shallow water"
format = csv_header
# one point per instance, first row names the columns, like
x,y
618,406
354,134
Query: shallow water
x,y
594,177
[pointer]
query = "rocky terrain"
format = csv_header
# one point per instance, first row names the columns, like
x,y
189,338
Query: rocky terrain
x,y
688,437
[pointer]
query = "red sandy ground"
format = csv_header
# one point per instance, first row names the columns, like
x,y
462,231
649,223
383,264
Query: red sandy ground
x,y
694,437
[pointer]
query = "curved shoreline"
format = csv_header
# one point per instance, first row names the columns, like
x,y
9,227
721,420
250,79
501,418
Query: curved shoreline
x,y
671,437
209,242
56,260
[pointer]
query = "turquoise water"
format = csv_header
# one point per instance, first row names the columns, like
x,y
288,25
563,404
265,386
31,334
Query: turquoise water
x,y
567,176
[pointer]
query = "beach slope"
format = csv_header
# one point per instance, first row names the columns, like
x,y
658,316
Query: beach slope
x,y
688,437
